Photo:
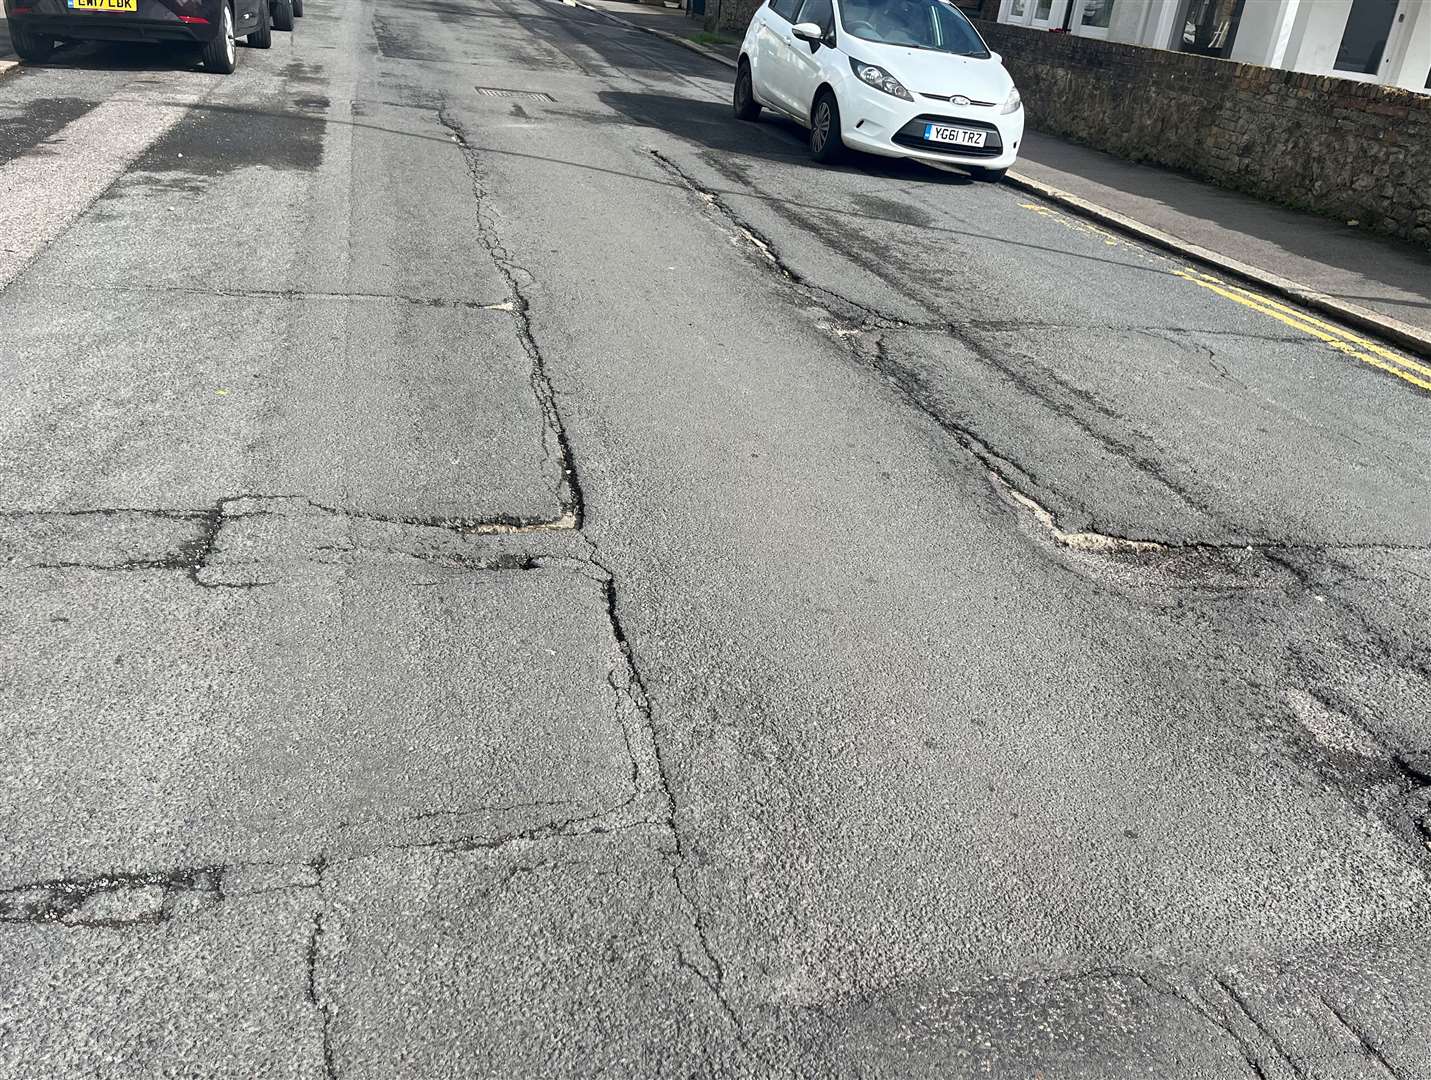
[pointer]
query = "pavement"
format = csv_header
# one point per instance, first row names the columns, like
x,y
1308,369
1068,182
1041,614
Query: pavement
x,y
506,571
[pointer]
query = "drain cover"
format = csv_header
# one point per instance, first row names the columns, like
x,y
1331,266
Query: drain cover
x,y
497,91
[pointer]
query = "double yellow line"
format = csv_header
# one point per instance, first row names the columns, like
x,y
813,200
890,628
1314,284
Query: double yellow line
x,y
1344,341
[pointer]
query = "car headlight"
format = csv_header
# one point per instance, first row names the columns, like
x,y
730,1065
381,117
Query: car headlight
x,y
880,79
1012,103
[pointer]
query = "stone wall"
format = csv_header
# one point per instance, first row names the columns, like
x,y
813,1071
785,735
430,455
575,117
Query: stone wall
x,y
1346,149
734,15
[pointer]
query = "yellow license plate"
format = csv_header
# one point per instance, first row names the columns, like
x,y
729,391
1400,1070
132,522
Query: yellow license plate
x,y
104,5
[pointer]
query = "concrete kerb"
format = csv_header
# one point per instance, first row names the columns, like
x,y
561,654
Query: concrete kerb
x,y
1382,326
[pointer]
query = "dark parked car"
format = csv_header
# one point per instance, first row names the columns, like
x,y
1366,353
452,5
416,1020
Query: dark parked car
x,y
36,26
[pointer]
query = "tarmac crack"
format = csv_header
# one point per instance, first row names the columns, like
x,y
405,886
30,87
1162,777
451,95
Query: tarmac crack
x,y
313,958
291,295
650,774
1245,1009
1368,1048
739,228
712,975
855,320
1251,1055
517,277
195,556
111,901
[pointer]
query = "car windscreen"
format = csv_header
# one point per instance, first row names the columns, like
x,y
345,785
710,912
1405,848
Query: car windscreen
x,y
919,24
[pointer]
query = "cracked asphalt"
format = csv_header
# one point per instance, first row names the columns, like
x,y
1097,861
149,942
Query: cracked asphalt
x,y
505,571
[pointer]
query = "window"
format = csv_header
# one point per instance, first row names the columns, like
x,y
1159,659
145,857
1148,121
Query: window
x,y
1209,27
1043,14
918,24
1364,39
785,8
820,12
1097,13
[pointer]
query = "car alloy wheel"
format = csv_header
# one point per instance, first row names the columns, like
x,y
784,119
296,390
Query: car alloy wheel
x,y
821,134
220,55
827,145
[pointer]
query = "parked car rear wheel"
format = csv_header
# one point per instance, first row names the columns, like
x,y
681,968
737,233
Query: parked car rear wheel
x,y
283,13
221,53
746,107
33,48
298,9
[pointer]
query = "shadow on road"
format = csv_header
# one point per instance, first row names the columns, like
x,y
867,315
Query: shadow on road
x,y
111,56
114,56
774,138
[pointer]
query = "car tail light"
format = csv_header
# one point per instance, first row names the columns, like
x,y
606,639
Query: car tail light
x,y
193,20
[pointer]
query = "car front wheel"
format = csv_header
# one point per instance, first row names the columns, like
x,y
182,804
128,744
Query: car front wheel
x,y
826,143
298,9
283,14
32,48
988,176
746,107
221,53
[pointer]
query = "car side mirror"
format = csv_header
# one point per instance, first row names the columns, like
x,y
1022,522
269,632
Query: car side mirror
x,y
814,33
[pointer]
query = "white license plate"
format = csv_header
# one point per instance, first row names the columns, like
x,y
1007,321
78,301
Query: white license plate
x,y
955,135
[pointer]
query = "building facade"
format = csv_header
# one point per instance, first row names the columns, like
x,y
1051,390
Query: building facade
x,y
1381,41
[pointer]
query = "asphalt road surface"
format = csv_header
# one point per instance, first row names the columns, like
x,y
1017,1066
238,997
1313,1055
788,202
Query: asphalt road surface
x,y
508,572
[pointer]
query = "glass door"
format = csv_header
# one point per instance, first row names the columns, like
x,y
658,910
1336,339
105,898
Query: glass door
x,y
1208,27
1093,18
1370,24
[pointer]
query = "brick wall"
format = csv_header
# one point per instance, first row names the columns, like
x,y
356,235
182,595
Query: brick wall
x,y
1346,149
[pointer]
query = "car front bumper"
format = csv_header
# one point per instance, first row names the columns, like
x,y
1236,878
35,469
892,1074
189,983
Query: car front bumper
x,y
196,21
881,124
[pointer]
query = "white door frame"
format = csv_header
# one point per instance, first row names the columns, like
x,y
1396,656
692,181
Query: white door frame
x,y
1391,50
1028,18
1076,23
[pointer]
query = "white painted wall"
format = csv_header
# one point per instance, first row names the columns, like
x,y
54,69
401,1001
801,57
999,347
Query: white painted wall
x,y
1266,26
1127,22
1317,36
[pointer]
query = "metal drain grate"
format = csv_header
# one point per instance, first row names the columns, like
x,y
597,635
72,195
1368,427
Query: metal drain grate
x,y
497,91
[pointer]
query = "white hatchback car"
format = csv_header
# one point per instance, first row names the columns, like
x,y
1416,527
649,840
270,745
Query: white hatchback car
x,y
901,78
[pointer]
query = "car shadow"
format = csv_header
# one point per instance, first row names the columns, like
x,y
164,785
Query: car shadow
x,y
773,137
121,56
